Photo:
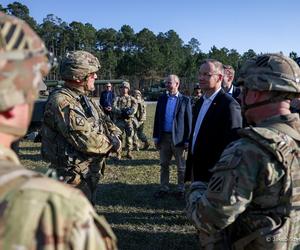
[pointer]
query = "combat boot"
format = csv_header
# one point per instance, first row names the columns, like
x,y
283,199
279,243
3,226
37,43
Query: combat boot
x,y
129,155
146,145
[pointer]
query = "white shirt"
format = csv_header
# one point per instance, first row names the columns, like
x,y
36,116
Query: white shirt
x,y
205,106
230,91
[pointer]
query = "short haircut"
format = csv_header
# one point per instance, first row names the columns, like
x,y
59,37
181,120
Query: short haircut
x,y
229,67
218,65
175,77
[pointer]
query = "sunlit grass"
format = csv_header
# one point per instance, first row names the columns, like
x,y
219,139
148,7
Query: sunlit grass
x,y
125,198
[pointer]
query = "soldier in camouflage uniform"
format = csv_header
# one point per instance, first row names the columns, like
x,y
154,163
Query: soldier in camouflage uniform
x,y
76,134
196,95
140,118
124,109
252,200
36,212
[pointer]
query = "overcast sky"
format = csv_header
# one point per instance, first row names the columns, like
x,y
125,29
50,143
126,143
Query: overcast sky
x,y
261,25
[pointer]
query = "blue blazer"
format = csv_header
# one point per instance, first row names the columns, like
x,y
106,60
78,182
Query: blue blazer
x,y
106,98
182,123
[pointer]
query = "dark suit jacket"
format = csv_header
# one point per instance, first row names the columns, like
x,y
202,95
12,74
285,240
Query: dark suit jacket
x,y
182,122
218,129
236,92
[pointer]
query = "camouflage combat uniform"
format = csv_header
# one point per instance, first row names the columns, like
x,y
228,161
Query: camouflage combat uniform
x,y
74,142
140,118
194,99
40,213
125,121
35,212
252,200
254,174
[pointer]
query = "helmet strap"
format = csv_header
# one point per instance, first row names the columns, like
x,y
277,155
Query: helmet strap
x,y
15,131
262,103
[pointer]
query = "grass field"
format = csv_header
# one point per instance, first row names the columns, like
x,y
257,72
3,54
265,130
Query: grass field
x,y
125,198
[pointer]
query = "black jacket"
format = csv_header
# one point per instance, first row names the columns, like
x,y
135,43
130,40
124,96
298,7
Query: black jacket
x,y
218,129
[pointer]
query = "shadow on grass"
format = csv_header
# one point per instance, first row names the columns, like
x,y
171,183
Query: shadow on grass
x,y
155,241
120,194
150,218
135,162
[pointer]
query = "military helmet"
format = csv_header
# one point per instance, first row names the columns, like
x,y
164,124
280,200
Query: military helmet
x,y
23,62
137,92
297,60
125,85
77,65
271,72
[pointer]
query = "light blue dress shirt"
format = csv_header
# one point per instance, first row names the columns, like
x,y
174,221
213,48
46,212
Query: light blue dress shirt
x,y
170,111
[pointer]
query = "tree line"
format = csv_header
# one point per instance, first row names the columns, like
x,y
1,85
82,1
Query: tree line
x,y
143,57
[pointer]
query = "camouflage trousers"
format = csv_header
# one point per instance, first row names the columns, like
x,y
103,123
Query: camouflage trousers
x,y
85,179
128,129
139,134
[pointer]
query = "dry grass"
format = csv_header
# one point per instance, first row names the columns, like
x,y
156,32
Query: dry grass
x,y
125,198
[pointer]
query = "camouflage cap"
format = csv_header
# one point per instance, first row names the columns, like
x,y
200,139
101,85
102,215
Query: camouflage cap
x,y
125,85
23,62
271,72
137,92
76,65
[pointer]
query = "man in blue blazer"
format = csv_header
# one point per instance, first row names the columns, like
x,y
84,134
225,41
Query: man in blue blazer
x,y
106,99
216,119
172,128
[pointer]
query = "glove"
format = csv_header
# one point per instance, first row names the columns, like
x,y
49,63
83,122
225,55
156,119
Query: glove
x,y
116,142
126,112
129,111
195,193
198,185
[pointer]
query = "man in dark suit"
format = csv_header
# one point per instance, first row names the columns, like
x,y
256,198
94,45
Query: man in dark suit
x,y
216,117
172,127
227,85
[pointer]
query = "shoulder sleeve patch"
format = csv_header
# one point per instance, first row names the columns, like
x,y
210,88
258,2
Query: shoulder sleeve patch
x,y
216,184
230,159
79,121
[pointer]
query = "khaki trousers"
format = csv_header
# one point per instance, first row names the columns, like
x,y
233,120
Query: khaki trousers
x,y
167,150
